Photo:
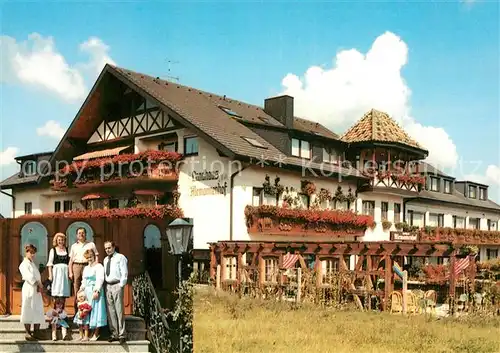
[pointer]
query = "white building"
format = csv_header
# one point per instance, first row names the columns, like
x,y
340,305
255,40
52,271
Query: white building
x,y
228,148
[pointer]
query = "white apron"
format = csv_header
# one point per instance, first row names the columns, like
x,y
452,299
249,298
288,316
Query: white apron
x,y
32,303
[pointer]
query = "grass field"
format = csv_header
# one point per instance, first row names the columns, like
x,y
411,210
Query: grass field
x,y
226,324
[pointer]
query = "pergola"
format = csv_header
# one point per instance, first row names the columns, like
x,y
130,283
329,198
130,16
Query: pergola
x,y
374,260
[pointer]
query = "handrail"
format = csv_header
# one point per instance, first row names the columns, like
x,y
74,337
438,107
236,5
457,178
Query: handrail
x,y
147,305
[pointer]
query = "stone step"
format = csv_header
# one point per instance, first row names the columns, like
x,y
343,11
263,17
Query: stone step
x,y
133,334
9,346
9,322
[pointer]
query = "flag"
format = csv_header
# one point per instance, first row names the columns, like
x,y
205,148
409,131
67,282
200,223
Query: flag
x,y
289,260
460,265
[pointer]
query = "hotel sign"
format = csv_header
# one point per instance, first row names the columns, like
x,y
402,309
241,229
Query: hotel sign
x,y
404,236
219,189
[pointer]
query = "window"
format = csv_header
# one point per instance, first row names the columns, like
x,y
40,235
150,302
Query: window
x,y
447,186
30,168
168,146
458,222
257,196
385,209
230,272
230,112
328,268
491,254
114,203
397,212
369,208
442,260
68,205
417,219
271,269
191,146
434,184
482,193
28,208
254,142
472,192
492,225
436,219
474,223
301,148
260,198
57,206
330,156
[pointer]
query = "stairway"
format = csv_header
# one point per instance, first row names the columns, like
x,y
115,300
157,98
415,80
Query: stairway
x,y
12,338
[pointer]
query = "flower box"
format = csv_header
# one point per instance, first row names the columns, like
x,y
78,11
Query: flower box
x,y
154,165
286,221
460,236
158,212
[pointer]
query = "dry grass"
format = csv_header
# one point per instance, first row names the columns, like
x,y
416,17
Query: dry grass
x,y
225,323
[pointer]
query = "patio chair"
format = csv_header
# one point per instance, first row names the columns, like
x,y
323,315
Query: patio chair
x,y
396,302
412,303
430,299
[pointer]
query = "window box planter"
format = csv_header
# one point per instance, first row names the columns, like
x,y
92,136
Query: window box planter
x,y
158,212
460,236
286,221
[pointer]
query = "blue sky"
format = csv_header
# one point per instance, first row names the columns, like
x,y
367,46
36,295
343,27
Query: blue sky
x,y
445,53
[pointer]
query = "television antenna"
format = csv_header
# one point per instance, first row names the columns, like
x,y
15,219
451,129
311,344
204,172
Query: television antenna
x,y
169,75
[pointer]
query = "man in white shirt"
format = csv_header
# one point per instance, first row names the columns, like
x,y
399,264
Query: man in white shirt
x,y
115,276
77,260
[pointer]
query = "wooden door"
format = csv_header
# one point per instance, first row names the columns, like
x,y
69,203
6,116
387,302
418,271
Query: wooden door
x,y
35,233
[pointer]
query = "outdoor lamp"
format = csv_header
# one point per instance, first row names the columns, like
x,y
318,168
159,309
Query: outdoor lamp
x,y
179,233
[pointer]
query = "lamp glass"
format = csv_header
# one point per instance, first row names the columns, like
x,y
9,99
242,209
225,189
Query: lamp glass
x,y
179,234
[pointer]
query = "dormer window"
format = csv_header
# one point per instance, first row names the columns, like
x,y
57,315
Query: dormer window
x,y
482,193
301,148
330,156
29,168
434,184
447,186
472,192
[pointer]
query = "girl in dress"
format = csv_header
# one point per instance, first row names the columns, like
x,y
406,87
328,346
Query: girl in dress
x,y
57,318
92,284
58,267
82,316
32,304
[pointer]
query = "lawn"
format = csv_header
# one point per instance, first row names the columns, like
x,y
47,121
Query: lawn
x,y
227,324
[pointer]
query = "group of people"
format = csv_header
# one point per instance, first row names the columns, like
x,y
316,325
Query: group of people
x,y
98,289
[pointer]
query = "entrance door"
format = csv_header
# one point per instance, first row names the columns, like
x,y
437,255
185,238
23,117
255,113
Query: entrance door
x,y
31,233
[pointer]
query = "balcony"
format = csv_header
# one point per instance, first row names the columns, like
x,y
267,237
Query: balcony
x,y
148,166
395,179
272,220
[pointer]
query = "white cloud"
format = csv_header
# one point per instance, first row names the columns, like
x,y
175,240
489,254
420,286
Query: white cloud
x,y
98,52
490,177
51,129
7,156
339,96
37,62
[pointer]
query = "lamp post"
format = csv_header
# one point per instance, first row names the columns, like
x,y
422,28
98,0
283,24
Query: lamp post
x,y
179,234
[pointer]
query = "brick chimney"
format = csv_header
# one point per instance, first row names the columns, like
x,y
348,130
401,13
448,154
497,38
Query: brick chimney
x,y
280,108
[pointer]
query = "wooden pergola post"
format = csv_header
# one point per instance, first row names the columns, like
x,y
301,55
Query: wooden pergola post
x,y
388,281
453,260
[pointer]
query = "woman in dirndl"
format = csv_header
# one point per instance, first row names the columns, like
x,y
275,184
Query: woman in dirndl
x,y
58,268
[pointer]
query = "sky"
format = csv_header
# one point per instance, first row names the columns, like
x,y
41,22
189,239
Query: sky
x,y
433,66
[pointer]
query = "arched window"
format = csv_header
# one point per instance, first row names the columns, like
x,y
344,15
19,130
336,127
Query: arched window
x,y
35,233
152,237
71,232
